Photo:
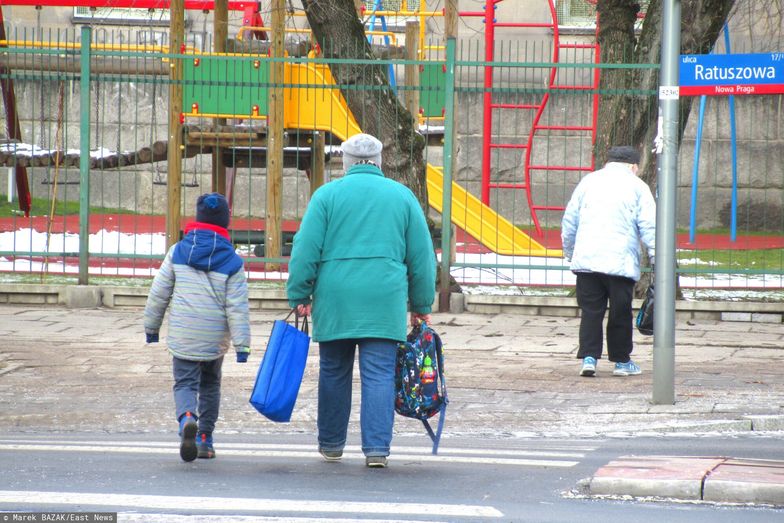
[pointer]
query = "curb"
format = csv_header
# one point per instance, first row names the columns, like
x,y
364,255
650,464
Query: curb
x,y
714,479
114,296
724,425
770,422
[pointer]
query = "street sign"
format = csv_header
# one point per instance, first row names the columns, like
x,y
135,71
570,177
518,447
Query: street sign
x,y
731,74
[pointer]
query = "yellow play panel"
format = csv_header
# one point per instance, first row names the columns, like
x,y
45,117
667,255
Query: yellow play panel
x,y
313,103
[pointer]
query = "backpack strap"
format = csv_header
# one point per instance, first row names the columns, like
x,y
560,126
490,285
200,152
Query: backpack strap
x,y
436,436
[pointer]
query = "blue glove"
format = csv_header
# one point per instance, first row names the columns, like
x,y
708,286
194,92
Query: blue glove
x,y
242,355
152,337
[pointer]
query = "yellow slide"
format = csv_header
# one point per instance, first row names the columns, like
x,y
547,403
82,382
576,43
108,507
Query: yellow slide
x,y
480,221
326,110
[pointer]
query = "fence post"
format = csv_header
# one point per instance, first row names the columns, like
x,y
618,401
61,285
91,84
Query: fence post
x,y
174,149
317,162
220,31
412,70
449,139
275,136
84,157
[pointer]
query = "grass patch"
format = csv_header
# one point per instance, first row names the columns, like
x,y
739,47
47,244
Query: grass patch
x,y
110,281
43,206
772,259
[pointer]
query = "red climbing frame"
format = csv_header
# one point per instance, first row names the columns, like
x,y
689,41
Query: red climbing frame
x,y
488,145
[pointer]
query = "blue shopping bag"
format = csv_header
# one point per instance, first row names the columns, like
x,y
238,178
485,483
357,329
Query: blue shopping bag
x,y
281,369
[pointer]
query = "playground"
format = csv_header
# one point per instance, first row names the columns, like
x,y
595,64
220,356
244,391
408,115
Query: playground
x,y
259,116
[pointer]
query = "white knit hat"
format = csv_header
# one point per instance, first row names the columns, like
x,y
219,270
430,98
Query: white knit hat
x,y
361,147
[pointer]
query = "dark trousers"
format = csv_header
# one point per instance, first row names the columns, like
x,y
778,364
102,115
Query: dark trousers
x,y
197,389
594,289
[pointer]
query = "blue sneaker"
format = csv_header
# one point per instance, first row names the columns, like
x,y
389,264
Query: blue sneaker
x,y
204,446
589,366
626,369
188,428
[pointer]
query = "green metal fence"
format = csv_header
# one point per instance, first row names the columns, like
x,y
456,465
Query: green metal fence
x,y
95,128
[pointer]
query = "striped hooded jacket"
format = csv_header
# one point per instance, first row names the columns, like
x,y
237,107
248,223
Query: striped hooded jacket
x,y
203,280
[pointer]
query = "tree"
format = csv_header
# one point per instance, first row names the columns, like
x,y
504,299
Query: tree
x,y
629,116
624,118
367,91
632,118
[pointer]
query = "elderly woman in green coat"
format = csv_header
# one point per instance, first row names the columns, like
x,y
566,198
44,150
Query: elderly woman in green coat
x,y
361,260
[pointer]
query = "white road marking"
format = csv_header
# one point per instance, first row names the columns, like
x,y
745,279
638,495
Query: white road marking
x,y
281,451
128,517
553,452
188,503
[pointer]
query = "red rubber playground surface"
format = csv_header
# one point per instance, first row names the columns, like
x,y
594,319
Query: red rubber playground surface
x,y
146,224
702,242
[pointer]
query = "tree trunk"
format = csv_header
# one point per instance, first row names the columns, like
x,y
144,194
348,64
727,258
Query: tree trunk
x,y
616,41
367,91
630,118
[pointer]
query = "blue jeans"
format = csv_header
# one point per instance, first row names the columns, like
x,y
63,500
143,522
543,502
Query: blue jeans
x,y
377,377
197,389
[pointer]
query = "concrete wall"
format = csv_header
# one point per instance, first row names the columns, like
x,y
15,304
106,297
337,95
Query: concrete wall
x,y
133,114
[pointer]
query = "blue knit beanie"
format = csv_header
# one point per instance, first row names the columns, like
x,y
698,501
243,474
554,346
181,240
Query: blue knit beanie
x,y
213,208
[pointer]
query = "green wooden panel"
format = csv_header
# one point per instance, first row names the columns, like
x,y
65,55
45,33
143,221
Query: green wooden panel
x,y
226,86
432,97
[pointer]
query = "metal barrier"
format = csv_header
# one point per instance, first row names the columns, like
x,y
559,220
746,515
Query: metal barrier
x,y
497,244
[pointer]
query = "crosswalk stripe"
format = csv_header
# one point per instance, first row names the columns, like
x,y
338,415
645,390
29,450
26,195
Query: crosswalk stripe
x,y
279,453
244,504
148,517
443,450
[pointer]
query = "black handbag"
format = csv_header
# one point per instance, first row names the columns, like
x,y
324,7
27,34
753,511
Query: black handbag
x,y
644,321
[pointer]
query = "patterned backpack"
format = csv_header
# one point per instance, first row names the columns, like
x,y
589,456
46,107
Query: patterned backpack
x,y
419,379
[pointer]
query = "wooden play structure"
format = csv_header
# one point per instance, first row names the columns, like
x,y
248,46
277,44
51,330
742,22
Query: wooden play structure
x,y
266,104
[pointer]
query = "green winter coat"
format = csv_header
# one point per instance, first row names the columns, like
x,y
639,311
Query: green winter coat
x,y
363,256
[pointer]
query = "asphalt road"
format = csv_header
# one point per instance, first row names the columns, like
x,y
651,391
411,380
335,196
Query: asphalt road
x,y
277,478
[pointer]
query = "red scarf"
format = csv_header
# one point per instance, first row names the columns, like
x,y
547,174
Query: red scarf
x,y
210,227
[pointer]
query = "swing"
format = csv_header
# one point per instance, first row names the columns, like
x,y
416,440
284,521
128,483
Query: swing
x,y
157,176
59,155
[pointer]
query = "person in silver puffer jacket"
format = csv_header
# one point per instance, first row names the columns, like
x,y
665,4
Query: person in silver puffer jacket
x,y
610,212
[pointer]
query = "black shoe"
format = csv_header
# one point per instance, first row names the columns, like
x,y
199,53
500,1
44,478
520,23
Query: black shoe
x,y
331,455
188,428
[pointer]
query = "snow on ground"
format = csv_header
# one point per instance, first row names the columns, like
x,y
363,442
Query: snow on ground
x,y
486,273
28,150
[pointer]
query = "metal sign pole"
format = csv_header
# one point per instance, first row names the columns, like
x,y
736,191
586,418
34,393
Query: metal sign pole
x,y
667,149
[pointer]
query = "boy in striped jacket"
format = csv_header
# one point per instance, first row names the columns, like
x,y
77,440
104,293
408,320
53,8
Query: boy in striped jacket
x,y
202,283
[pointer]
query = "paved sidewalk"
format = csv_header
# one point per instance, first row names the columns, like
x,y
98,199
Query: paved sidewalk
x,y
507,375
